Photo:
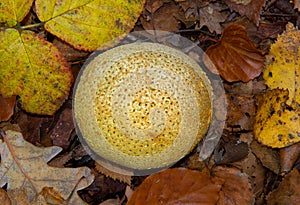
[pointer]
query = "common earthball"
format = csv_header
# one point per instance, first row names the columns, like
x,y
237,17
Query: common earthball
x,y
142,105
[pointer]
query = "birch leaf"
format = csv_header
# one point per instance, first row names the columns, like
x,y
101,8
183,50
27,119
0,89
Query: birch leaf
x,y
284,70
23,166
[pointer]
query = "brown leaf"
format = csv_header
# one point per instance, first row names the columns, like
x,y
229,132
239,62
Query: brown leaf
x,y
184,186
62,131
236,188
176,186
4,198
251,10
235,55
288,157
268,157
164,18
288,190
7,107
212,15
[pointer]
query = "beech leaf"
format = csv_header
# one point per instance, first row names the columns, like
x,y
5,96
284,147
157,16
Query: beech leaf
x,y
23,167
14,11
276,125
235,55
33,69
88,24
184,186
284,70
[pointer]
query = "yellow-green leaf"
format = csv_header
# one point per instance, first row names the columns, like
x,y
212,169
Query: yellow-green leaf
x,y
284,71
88,24
33,69
13,11
277,124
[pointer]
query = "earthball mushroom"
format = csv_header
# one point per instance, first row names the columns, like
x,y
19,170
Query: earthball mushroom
x,y
142,105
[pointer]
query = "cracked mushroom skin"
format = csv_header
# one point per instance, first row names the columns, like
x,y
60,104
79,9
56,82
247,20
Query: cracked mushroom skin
x,y
142,105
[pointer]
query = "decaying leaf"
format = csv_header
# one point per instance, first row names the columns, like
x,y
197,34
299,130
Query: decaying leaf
x,y
251,10
4,198
184,186
175,186
12,12
297,4
235,55
284,70
288,190
23,167
33,69
88,24
212,15
288,157
276,124
7,107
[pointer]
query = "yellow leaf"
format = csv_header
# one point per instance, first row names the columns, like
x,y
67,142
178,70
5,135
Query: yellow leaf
x,y
276,124
14,11
284,71
33,69
88,24
24,166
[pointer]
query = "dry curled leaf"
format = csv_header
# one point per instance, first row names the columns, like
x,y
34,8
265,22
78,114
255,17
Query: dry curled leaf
x,y
184,186
276,124
251,10
23,166
235,55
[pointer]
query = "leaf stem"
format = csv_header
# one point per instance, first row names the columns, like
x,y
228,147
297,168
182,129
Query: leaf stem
x,y
32,25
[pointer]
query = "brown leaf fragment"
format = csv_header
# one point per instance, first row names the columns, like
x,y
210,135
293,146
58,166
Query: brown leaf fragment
x,y
164,18
235,55
268,157
297,4
251,10
288,190
62,131
176,186
4,198
236,188
212,15
288,157
7,107
52,196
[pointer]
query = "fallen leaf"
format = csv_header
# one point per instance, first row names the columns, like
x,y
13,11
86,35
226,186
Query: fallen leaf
x,y
242,2
4,198
176,186
251,10
267,156
236,188
288,157
276,124
12,12
33,69
184,186
23,166
212,15
88,24
162,18
7,107
61,133
284,71
235,55
287,191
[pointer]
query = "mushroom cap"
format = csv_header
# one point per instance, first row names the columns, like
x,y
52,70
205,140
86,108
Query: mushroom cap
x,y
142,105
